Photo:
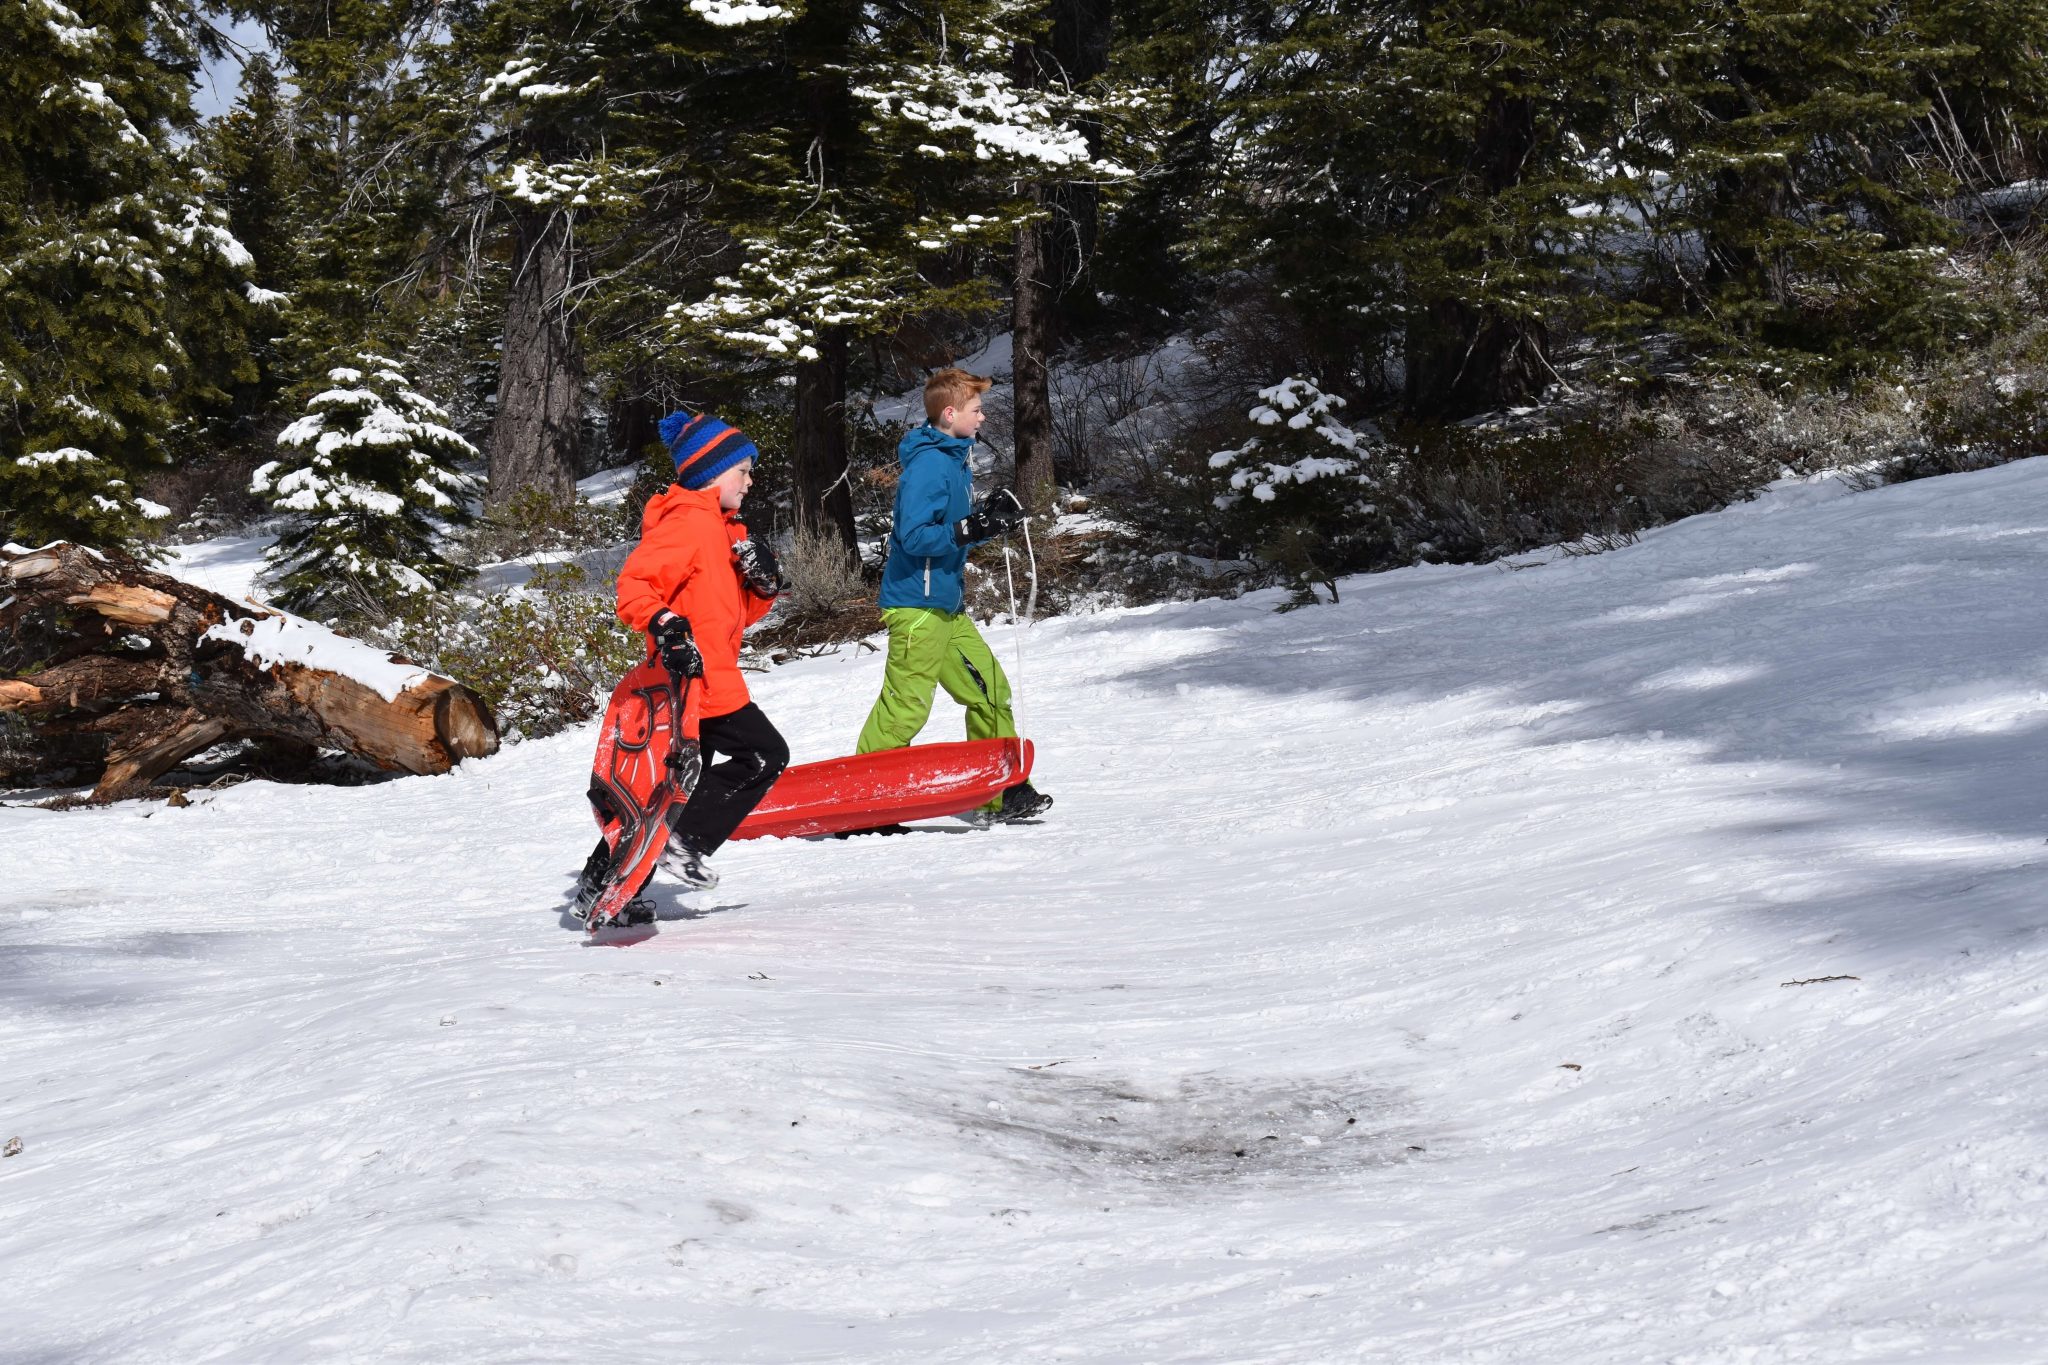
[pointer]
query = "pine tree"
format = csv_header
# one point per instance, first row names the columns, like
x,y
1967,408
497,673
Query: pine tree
x,y
369,477
1424,185
1796,234
600,126
1305,491
252,159
252,176
119,282
924,155
378,165
916,147
1985,86
1146,271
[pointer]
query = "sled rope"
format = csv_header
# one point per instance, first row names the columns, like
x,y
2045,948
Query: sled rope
x,y
1017,624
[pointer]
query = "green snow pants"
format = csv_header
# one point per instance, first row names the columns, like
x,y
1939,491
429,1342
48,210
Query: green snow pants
x,y
929,649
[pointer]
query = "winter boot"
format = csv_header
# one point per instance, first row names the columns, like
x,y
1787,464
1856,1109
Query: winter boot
x,y
639,910
1022,802
1018,803
590,882
683,862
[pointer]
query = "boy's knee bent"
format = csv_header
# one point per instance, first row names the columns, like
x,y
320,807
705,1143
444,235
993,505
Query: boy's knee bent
x,y
774,754
888,732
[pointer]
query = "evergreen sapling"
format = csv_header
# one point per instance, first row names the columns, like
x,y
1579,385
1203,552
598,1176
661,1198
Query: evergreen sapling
x,y
1306,492
369,478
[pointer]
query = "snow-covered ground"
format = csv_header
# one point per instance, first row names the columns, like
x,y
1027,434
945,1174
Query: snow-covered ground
x,y
227,565
1635,958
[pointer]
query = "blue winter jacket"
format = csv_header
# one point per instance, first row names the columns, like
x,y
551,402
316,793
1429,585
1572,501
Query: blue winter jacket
x,y
934,492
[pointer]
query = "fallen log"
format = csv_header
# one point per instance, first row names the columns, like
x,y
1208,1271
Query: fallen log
x,y
139,671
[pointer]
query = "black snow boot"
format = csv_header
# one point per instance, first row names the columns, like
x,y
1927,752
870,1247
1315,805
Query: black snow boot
x,y
590,883
1022,802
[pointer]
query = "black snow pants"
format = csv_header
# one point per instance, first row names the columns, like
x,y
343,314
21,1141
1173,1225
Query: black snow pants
x,y
756,754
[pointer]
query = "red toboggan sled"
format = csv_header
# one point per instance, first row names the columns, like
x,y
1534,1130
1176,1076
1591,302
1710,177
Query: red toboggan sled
x,y
648,763
922,782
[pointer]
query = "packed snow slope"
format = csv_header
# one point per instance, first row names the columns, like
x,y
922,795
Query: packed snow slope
x,y
1618,959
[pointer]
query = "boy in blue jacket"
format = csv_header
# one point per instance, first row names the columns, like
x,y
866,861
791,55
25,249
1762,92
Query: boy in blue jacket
x,y
932,642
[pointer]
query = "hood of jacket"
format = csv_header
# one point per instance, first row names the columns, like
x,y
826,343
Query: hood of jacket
x,y
677,501
929,437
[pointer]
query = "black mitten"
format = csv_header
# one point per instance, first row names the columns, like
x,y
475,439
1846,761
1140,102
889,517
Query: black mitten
x,y
679,654
758,567
999,513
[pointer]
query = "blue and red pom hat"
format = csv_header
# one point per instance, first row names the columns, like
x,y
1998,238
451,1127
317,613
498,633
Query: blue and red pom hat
x,y
703,447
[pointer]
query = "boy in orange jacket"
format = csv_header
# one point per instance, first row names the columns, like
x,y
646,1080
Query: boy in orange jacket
x,y
694,583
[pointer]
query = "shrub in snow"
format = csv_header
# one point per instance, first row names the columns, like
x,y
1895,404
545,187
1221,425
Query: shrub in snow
x,y
822,577
369,480
1306,492
534,521
1589,478
544,656
1983,410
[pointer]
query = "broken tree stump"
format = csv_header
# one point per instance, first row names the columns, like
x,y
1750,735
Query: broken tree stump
x,y
141,671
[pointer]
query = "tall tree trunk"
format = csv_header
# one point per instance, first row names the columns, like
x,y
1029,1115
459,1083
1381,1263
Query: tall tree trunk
x,y
1032,325
537,429
823,495
636,421
1742,206
821,492
1081,31
1465,358
1053,254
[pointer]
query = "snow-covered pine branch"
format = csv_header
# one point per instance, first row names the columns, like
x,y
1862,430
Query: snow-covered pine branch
x,y
593,184
813,273
990,118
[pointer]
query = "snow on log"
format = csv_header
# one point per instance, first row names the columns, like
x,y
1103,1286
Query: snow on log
x,y
148,670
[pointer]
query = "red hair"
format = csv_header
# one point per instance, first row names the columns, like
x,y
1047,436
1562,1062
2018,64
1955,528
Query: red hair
x,y
951,388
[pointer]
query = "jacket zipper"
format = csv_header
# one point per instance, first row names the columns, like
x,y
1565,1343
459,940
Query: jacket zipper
x,y
927,577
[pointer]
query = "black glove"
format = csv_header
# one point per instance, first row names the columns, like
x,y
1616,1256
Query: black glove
x,y
758,567
999,513
678,650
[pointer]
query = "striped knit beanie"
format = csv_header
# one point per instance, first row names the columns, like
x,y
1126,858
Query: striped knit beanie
x,y
703,447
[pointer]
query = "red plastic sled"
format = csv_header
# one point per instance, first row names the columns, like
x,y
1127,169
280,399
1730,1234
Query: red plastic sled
x,y
922,782
647,763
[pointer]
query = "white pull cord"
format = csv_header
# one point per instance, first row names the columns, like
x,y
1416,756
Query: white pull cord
x,y
1030,606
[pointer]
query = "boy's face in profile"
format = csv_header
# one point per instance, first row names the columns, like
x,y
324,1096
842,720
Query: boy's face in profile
x,y
733,484
964,420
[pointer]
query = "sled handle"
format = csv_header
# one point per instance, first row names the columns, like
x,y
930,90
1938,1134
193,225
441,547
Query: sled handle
x,y
675,734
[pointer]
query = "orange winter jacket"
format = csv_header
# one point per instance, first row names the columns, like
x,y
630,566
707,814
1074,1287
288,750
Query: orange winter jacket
x,y
684,563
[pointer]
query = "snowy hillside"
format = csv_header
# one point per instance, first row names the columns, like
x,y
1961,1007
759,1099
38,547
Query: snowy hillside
x,y
1596,961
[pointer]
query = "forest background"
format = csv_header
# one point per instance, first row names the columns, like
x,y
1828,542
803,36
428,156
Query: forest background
x,y
1289,291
